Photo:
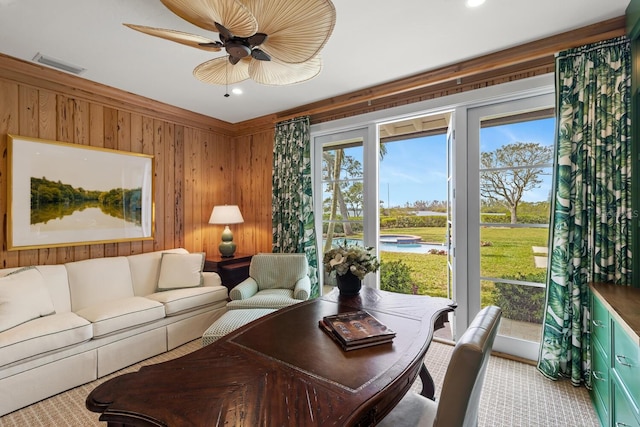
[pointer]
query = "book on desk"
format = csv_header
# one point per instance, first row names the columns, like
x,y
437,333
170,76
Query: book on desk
x,y
356,329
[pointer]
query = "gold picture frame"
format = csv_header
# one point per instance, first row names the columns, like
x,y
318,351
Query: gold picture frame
x,y
62,194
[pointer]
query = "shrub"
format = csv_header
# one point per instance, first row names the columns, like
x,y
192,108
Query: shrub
x,y
413,221
520,302
437,252
395,276
522,218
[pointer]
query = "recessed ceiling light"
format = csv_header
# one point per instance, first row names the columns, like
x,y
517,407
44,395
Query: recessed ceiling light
x,y
236,91
474,3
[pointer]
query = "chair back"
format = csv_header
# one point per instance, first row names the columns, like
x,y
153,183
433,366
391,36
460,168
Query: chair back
x,y
278,271
462,385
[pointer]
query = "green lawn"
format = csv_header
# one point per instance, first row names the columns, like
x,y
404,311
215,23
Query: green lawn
x,y
505,253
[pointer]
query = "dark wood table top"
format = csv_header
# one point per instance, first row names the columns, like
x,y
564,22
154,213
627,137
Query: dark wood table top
x,y
282,370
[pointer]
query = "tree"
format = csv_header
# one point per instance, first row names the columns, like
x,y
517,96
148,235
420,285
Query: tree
x,y
347,192
512,170
354,198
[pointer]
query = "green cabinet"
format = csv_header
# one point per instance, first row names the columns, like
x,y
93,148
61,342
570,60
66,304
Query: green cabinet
x,y
615,355
600,347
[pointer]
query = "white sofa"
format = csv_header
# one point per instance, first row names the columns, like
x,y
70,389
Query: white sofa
x,y
87,319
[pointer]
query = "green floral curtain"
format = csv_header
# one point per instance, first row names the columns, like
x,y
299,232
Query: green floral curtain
x,y
591,235
293,220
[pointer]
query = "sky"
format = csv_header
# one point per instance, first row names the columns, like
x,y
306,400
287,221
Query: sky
x,y
415,169
79,166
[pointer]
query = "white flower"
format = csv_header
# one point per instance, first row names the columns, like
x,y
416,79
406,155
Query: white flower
x,y
356,259
338,259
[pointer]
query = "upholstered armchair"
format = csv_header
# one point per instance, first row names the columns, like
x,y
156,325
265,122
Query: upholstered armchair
x,y
275,281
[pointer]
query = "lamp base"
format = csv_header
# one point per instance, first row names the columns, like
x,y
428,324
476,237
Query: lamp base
x,y
227,247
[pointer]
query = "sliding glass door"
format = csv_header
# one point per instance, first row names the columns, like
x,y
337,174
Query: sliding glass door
x,y
347,200
488,214
511,147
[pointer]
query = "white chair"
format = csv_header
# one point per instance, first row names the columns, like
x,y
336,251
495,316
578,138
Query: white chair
x,y
462,385
275,281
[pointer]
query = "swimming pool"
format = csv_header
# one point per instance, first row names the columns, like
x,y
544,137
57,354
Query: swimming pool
x,y
419,248
400,243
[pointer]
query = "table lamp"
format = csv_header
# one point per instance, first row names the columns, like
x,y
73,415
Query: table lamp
x,y
227,214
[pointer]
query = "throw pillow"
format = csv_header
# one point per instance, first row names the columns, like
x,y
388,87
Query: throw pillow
x,y
23,297
180,271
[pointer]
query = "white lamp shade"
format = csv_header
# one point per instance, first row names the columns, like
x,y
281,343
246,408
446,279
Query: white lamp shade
x,y
227,214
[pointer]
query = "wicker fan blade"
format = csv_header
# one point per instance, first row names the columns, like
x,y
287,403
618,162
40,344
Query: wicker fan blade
x,y
178,37
275,73
205,13
297,30
220,72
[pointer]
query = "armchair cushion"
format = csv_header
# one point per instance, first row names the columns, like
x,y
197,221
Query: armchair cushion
x,y
268,298
276,281
302,290
245,289
278,271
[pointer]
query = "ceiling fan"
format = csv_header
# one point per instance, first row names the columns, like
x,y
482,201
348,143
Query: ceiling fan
x,y
273,42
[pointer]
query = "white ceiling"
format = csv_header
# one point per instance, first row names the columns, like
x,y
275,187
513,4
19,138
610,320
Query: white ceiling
x,y
374,41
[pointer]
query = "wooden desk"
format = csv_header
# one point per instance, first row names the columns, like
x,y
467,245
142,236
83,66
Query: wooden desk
x,y
282,370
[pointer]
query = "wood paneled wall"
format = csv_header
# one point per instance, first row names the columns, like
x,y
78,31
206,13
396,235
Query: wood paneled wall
x,y
196,161
201,161
253,173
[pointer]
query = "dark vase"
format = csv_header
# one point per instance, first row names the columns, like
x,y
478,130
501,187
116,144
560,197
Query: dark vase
x,y
349,284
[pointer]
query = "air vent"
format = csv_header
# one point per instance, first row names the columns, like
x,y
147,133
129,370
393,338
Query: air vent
x,y
60,65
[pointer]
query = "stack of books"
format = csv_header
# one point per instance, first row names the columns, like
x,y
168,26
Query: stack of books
x,y
356,329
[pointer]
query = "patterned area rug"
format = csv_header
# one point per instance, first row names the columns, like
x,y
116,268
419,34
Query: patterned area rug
x,y
514,394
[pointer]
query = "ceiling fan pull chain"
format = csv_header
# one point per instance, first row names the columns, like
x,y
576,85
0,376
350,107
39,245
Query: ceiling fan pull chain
x,y
226,84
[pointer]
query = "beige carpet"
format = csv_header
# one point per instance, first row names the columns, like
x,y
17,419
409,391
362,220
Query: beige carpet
x,y
514,394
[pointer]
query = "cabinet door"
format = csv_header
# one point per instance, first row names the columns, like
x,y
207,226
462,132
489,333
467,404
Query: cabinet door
x,y
600,382
626,363
600,325
624,414
600,364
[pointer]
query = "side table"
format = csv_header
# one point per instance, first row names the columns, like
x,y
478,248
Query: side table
x,y
232,270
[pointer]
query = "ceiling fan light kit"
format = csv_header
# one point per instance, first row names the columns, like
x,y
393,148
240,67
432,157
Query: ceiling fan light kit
x,y
273,42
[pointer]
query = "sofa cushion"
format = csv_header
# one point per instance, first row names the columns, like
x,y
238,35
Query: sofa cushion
x,y
23,297
99,280
43,335
180,300
180,271
145,269
56,281
116,315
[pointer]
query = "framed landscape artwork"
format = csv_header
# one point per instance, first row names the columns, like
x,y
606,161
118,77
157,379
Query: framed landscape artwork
x,y
63,194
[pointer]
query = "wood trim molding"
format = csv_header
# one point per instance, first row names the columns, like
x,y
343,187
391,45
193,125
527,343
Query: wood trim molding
x,y
35,75
541,49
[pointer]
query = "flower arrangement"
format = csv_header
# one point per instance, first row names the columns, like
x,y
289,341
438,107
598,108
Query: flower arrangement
x,y
358,260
